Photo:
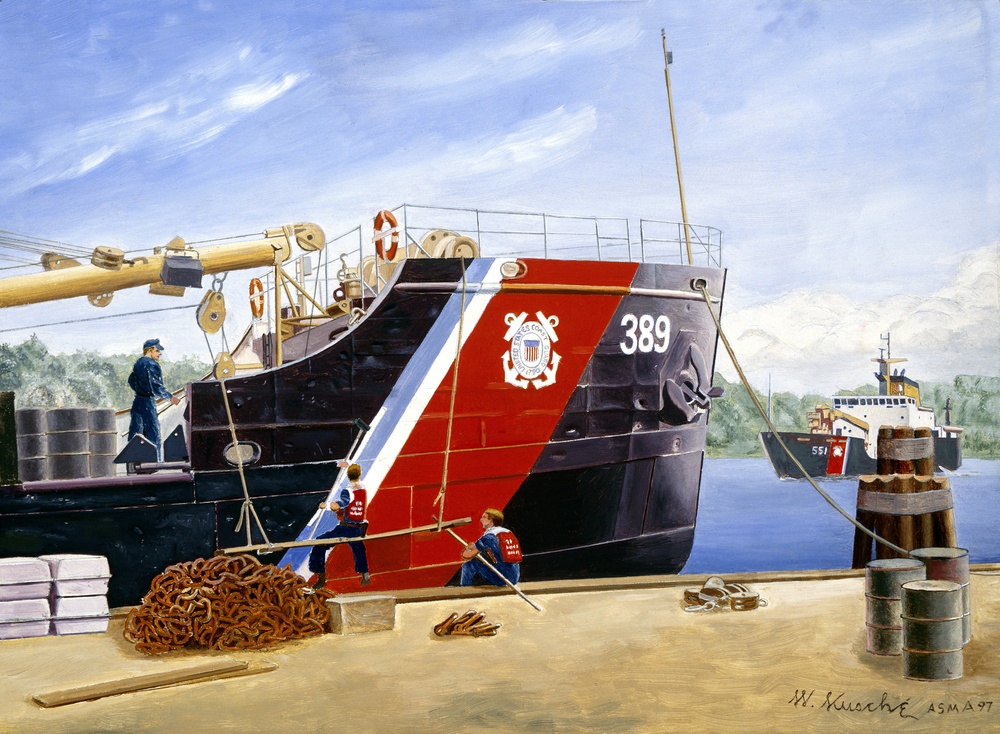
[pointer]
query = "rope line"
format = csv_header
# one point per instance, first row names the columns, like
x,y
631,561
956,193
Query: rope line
x,y
774,432
439,500
98,318
247,510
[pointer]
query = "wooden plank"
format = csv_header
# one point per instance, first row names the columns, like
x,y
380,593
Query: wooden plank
x,y
131,684
336,541
253,668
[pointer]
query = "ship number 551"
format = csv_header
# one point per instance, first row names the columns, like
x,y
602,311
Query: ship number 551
x,y
645,334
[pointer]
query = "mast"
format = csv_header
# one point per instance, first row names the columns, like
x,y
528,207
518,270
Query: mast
x,y
883,376
769,396
667,58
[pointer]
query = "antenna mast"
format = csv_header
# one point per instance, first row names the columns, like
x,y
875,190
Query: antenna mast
x,y
667,58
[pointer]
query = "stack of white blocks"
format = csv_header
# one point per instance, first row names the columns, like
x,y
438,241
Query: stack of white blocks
x,y
79,593
62,594
25,584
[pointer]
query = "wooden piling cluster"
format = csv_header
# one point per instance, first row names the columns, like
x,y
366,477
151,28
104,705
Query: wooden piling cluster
x,y
904,503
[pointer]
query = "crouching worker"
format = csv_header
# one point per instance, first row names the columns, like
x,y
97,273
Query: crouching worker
x,y
350,506
499,546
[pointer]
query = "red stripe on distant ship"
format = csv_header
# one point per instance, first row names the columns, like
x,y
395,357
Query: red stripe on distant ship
x,y
837,459
498,429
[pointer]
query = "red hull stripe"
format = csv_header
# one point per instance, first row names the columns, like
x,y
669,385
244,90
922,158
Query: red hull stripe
x,y
507,406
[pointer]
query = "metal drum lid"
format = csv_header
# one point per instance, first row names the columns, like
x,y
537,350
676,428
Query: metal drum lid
x,y
885,576
951,564
936,599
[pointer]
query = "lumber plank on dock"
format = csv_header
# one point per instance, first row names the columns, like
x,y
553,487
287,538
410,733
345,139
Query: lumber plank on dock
x,y
205,671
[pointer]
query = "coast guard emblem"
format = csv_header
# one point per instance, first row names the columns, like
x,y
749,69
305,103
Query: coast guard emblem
x,y
530,360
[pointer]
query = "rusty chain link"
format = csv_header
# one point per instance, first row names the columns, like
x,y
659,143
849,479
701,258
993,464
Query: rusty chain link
x,y
226,603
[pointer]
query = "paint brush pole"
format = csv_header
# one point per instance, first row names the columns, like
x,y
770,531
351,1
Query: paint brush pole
x,y
494,570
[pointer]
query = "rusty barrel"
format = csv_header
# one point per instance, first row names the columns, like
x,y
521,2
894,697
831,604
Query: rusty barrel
x,y
884,579
951,564
932,630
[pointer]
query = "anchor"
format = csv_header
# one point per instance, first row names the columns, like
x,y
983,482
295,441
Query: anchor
x,y
690,395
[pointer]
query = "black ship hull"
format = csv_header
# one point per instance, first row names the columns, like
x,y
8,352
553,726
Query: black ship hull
x,y
594,459
815,452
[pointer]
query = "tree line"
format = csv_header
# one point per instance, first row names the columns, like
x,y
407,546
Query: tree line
x,y
735,422
85,379
89,379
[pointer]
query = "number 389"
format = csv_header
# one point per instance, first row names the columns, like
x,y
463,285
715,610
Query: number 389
x,y
645,334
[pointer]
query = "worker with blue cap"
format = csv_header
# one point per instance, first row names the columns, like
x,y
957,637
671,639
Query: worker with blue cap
x,y
147,382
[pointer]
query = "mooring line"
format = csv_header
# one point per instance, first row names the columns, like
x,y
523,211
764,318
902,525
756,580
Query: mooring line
x,y
774,431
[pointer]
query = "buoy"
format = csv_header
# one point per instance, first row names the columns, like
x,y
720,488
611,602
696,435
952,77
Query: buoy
x,y
256,298
383,218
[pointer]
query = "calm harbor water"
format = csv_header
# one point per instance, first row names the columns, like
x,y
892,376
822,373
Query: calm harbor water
x,y
749,520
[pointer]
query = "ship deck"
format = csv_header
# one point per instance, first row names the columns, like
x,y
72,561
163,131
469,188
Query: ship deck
x,y
616,655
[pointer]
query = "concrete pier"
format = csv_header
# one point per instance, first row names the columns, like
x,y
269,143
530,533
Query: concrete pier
x,y
621,656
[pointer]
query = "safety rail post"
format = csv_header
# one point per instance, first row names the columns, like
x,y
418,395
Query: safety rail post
x,y
545,237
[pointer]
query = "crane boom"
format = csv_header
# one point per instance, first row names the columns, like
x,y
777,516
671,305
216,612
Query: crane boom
x,y
87,280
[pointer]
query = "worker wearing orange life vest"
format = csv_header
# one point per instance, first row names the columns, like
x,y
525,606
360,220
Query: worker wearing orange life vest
x,y
499,546
350,506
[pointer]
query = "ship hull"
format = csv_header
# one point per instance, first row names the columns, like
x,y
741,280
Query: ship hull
x,y
815,452
562,411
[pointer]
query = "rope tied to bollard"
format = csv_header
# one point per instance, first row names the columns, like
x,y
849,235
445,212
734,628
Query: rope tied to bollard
x,y
774,431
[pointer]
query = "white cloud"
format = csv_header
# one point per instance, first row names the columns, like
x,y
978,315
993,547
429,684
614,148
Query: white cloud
x,y
819,341
191,108
442,175
526,51
254,96
541,141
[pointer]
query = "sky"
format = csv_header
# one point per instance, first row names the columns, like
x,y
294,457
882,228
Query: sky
x,y
847,150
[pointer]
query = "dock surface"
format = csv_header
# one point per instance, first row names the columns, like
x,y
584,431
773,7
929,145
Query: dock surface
x,y
612,658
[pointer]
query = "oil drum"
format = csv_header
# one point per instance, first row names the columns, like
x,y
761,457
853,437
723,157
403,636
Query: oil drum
x,y
68,437
32,447
103,442
932,630
884,579
951,564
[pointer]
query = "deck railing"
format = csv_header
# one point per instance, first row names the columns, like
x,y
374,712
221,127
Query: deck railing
x,y
510,234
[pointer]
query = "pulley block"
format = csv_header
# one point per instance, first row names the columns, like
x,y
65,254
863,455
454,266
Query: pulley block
x,y
225,367
100,299
108,258
211,312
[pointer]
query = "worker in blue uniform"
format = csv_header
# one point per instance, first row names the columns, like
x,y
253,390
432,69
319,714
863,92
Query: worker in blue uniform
x,y
499,546
146,381
351,505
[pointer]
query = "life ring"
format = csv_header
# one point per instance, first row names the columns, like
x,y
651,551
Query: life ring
x,y
256,298
383,218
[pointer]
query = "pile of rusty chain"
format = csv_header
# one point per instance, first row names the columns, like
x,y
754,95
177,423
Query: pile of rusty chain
x,y
226,603
471,624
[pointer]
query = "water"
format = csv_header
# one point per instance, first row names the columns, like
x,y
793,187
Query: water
x,y
749,520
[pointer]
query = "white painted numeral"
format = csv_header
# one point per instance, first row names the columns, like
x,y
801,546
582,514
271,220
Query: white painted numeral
x,y
645,334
